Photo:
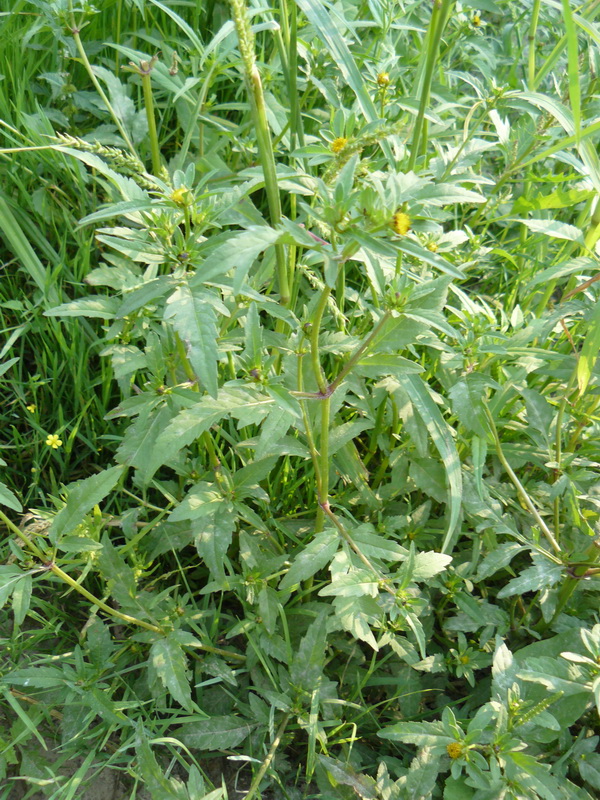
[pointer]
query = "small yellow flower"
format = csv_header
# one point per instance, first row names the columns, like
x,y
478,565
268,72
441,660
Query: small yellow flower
x,y
476,20
401,223
464,659
31,408
432,247
383,79
454,750
53,441
179,196
338,144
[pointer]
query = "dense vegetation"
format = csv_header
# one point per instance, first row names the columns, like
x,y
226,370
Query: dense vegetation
x,y
300,422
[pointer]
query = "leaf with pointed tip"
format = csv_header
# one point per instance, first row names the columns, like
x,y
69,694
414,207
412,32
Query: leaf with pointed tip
x,y
168,660
195,321
82,497
216,733
442,438
139,442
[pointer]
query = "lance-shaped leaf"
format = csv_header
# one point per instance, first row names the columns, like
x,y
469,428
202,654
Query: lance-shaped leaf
x,y
195,321
168,660
441,436
239,252
82,497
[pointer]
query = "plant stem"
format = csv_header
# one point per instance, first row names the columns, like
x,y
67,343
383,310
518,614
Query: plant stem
x,y
23,537
355,357
535,15
558,446
149,104
318,372
270,755
519,486
75,31
100,604
263,137
441,9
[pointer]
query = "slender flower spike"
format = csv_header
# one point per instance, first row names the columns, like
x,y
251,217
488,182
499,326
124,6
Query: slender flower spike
x,y
383,79
31,408
53,441
401,223
338,144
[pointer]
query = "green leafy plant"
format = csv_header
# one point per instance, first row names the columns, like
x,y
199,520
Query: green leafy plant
x,y
343,315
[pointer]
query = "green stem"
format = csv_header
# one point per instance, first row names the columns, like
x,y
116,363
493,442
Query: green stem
x,y
535,15
265,146
558,446
24,538
270,755
318,372
152,134
519,486
356,356
324,464
75,31
439,15
100,604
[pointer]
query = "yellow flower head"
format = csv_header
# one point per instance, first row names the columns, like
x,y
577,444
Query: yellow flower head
x,y
454,749
53,441
432,247
476,20
401,223
179,196
383,79
338,144
31,408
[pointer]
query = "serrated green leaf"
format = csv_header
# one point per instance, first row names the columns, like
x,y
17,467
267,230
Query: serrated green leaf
x,y
532,579
213,538
314,556
426,565
203,500
423,734
468,396
190,423
385,364
442,438
239,252
139,444
145,294
307,665
195,321
82,496
364,786
554,229
168,660
98,307
216,733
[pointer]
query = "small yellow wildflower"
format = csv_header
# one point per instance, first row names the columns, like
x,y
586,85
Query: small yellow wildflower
x,y
454,749
383,79
401,223
338,144
31,408
464,659
432,247
53,441
476,20
179,196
